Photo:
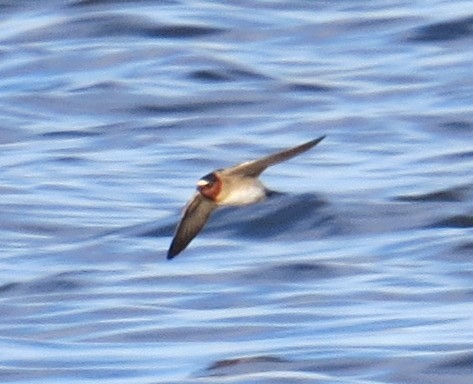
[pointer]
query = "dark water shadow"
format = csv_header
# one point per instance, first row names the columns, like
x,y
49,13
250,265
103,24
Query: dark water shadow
x,y
311,216
379,366
300,370
452,194
444,31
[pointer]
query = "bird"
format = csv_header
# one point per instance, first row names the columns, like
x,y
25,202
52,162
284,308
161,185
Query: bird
x,y
233,186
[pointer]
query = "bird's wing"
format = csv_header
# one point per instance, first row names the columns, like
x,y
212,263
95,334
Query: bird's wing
x,y
256,167
195,216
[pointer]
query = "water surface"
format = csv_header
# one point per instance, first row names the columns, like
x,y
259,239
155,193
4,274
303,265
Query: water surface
x,y
359,272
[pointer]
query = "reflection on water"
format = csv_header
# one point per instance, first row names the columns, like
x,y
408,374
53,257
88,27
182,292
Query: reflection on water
x,y
359,271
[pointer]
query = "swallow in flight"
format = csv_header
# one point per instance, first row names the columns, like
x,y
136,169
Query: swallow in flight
x,y
237,185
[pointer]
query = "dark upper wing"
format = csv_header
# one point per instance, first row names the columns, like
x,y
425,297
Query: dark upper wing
x,y
195,216
255,167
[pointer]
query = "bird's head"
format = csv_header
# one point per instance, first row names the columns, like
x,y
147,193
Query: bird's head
x,y
210,185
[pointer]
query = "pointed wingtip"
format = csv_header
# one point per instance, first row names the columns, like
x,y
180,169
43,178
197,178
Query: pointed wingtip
x,y
318,140
311,144
171,253
174,249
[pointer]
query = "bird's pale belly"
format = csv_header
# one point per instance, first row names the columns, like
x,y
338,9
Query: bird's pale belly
x,y
247,194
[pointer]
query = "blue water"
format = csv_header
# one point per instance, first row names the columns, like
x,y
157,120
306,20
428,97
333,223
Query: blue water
x,y
361,271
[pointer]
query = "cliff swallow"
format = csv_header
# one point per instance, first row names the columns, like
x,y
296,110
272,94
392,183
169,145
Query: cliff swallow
x,y
237,185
